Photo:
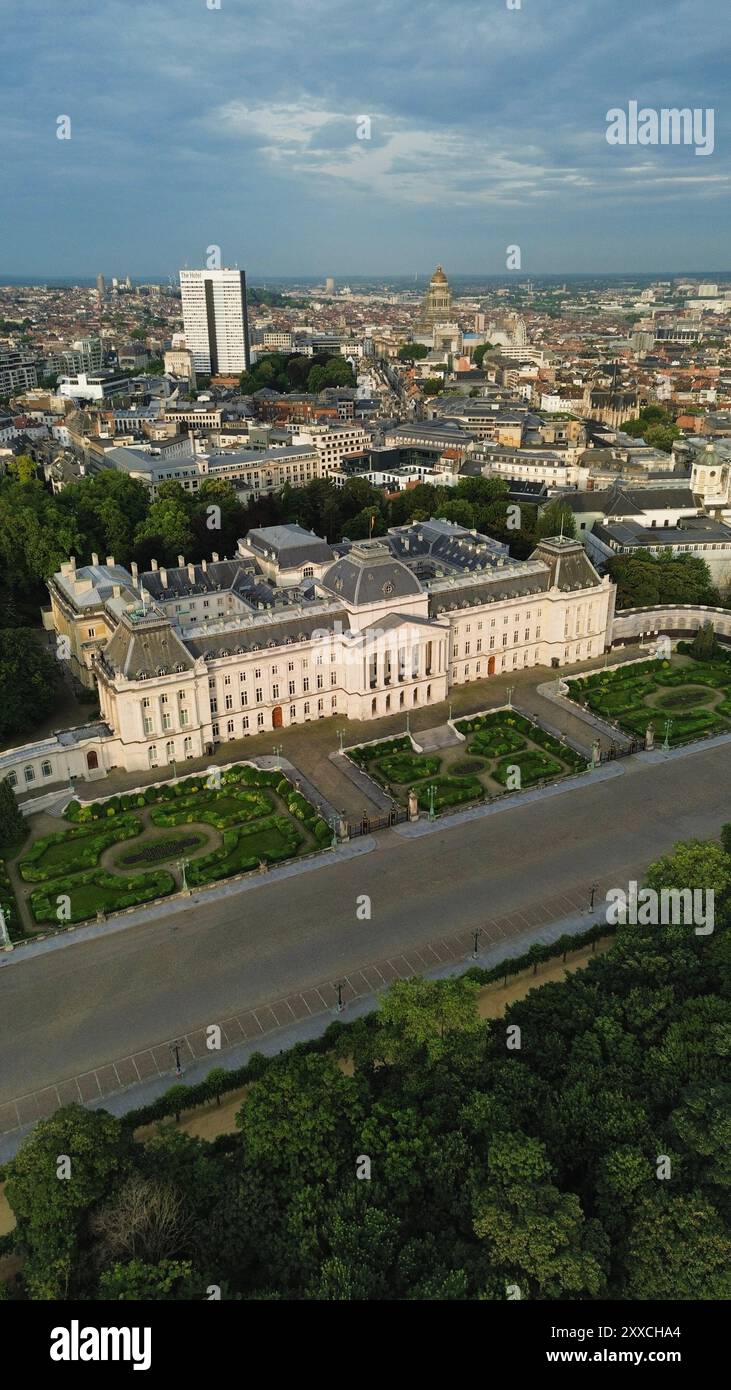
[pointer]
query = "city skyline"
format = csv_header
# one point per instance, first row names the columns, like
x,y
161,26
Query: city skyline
x,y
487,128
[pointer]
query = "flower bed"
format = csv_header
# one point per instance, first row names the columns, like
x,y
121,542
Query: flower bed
x,y
652,692
533,766
95,891
160,850
245,847
450,791
218,808
72,850
407,767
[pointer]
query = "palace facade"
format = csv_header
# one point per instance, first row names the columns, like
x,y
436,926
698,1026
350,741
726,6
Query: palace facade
x,y
292,630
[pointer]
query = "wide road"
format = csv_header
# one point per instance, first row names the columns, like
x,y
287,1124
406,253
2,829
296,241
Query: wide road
x,y
76,1008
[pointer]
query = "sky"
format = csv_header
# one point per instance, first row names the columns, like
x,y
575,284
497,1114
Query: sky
x,y
236,123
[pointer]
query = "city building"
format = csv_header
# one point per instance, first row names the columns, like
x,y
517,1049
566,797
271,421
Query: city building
x,y
216,319
292,630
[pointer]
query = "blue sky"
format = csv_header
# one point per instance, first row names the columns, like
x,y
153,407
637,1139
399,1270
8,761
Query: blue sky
x,y
236,126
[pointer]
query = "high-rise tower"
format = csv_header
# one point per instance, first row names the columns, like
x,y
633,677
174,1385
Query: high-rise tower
x,y
216,320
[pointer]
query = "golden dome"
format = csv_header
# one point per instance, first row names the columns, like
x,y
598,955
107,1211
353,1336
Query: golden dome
x,y
439,278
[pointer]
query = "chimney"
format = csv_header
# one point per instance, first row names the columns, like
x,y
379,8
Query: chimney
x,y
191,572
181,561
214,557
164,578
153,566
110,561
204,565
135,572
94,558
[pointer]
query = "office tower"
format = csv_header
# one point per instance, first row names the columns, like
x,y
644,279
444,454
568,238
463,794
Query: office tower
x,y
330,285
100,285
216,320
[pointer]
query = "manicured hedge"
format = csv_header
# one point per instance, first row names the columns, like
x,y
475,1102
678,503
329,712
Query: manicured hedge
x,y
97,890
533,766
406,767
76,849
366,752
450,791
245,847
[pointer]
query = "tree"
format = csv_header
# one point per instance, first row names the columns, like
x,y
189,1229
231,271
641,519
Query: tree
x,y
412,352
679,1249
145,1220
536,1234
70,1162
422,1018
479,353
167,531
556,519
140,1282
704,646
22,468
13,826
29,681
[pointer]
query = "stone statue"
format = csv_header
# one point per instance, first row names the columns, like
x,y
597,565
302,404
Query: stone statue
x,y
596,753
413,805
650,737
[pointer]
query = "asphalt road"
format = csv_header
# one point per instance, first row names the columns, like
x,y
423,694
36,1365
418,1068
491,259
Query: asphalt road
x,y
76,1008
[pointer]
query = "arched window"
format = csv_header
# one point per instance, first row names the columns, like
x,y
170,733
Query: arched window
x,y
13,779
46,768
152,755
30,775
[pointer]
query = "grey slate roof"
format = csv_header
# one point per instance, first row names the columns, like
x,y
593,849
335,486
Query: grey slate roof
x,y
145,646
369,574
267,635
291,544
568,563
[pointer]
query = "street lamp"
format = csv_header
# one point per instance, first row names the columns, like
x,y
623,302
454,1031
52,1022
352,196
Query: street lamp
x,y
277,751
668,727
594,887
510,696
341,736
340,1005
175,1049
478,934
334,826
183,866
431,793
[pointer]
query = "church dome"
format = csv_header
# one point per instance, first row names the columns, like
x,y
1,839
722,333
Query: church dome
x,y
439,278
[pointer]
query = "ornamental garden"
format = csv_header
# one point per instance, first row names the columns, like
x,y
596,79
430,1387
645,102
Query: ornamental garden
x,y
129,849
686,698
502,751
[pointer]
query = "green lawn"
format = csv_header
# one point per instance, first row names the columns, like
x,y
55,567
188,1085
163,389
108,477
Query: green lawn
x,y
245,848
71,851
693,695
245,807
494,741
218,808
94,891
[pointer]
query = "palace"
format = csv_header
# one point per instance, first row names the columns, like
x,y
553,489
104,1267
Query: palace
x,y
292,629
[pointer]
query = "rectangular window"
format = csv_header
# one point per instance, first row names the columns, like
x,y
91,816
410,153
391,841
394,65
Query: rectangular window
x,y
183,718
229,702
260,719
259,694
306,683
246,721
275,691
